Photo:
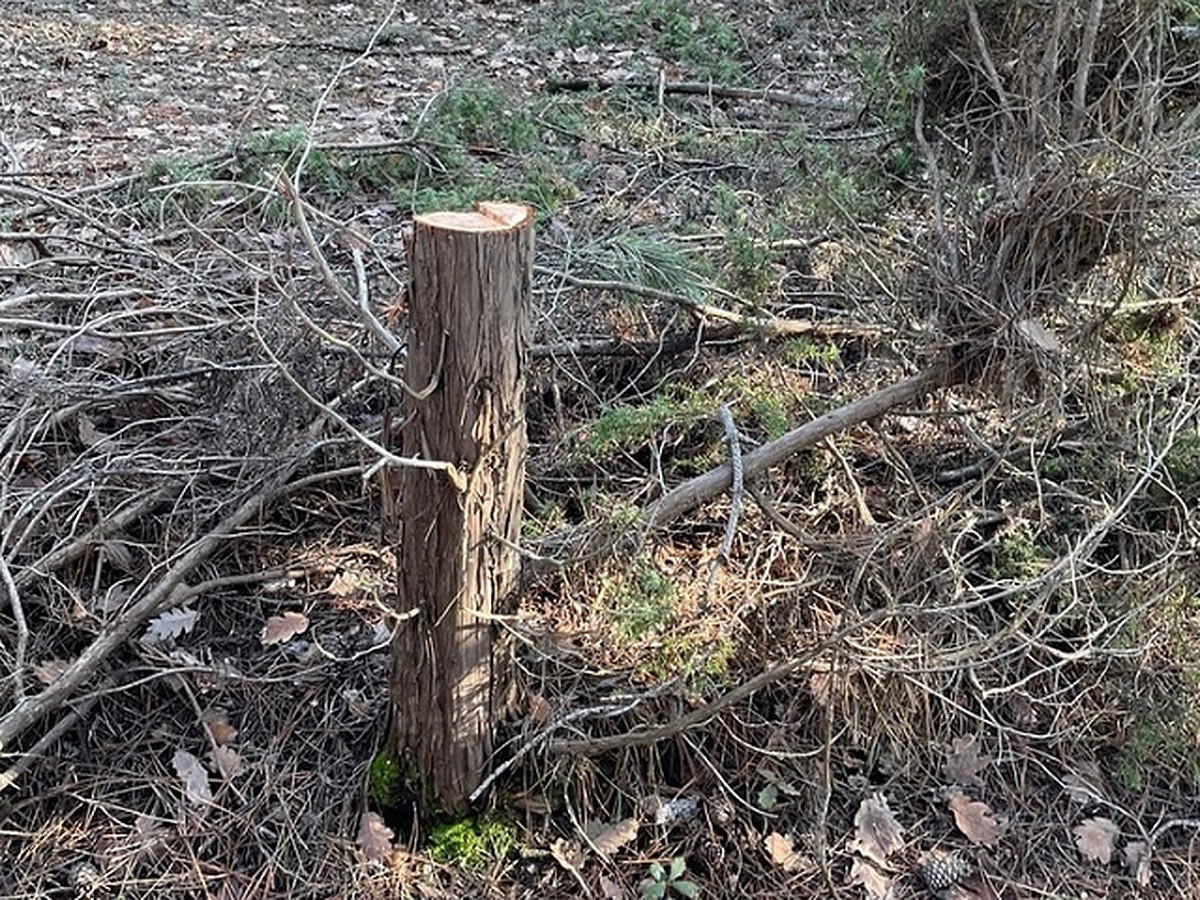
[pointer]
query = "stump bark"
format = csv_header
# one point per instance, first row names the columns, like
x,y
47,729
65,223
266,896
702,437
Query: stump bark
x,y
469,293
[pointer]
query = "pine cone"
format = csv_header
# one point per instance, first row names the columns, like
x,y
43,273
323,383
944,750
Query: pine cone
x,y
943,871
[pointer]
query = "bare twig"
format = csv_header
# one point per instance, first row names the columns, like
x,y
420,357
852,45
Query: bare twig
x,y
386,457
702,488
1083,69
18,613
735,494
377,328
769,325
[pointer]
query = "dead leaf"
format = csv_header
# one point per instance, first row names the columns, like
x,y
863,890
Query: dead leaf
x,y
149,834
169,625
374,837
343,585
119,554
218,725
963,762
194,777
975,819
281,629
877,834
1137,860
88,433
1036,334
818,686
539,709
1086,783
877,885
613,837
50,671
783,852
610,890
568,854
1096,838
227,762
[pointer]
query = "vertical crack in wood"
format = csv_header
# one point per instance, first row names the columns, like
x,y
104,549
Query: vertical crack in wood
x,y
470,287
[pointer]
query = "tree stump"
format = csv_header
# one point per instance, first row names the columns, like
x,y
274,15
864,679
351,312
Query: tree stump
x,y
469,292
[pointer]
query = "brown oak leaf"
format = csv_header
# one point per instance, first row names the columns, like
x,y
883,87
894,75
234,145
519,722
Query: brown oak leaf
x,y
1137,859
193,776
281,629
963,762
374,837
1096,838
49,671
975,819
783,852
218,725
877,885
611,838
227,761
877,834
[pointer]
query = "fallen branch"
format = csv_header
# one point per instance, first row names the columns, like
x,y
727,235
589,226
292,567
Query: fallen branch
x,y
698,490
771,326
703,88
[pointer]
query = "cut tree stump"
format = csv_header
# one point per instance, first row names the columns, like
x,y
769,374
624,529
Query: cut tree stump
x,y
469,293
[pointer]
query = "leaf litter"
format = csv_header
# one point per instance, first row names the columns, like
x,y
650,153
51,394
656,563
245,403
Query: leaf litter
x,y
975,819
194,777
963,762
1096,839
877,834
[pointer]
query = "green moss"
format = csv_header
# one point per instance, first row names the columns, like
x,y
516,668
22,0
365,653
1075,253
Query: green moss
x,y
471,842
384,779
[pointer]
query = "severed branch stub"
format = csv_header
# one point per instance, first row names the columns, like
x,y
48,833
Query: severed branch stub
x,y
469,297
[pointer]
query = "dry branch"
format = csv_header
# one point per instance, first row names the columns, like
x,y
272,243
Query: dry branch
x,y
692,493
31,709
771,326
702,88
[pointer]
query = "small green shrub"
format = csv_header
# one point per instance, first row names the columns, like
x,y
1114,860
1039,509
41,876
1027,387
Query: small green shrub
x,y
807,352
681,32
1016,555
629,426
638,601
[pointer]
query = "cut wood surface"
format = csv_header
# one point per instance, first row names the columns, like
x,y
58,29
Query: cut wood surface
x,y
469,300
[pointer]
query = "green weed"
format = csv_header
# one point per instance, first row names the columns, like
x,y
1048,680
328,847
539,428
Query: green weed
x,y
662,882
705,42
806,352
628,426
1161,736
1016,555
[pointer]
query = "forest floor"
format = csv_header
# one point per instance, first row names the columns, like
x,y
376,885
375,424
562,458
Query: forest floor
x,y
948,650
